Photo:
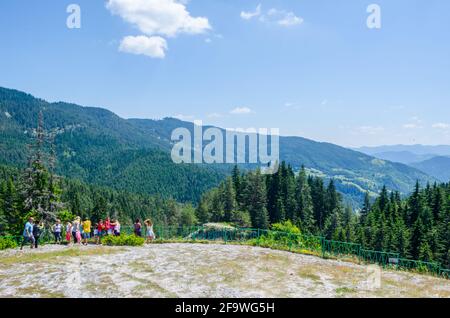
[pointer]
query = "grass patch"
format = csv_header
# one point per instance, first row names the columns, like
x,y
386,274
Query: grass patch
x,y
345,290
308,273
30,291
140,267
27,257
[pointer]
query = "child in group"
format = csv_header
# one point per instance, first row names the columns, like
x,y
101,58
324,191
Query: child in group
x,y
116,227
149,231
108,227
86,230
138,228
76,231
68,232
57,230
100,231
95,230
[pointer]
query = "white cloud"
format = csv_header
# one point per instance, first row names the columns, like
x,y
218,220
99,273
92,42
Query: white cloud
x,y
411,126
250,15
241,111
290,19
162,17
183,117
155,18
441,126
415,123
283,18
370,130
215,115
153,46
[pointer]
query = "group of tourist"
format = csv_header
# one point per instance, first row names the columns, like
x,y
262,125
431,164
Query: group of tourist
x,y
79,232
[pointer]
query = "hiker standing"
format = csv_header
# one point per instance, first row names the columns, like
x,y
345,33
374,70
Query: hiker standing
x,y
76,231
108,226
37,230
100,231
57,230
68,232
28,233
149,231
116,227
86,230
138,228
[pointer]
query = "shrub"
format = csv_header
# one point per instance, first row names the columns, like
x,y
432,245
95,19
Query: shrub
x,y
123,240
7,242
241,218
286,227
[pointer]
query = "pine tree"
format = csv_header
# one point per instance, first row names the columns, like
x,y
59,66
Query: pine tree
x,y
415,205
255,200
318,199
100,210
238,184
229,200
202,212
275,207
39,187
304,204
365,209
11,208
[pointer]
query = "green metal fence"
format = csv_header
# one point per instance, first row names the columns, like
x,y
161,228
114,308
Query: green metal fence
x,y
300,243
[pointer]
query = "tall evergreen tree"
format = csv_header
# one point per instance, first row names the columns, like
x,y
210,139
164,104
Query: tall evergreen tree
x,y
304,204
255,200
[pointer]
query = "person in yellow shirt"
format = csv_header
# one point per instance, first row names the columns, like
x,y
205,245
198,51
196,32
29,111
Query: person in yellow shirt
x,y
86,230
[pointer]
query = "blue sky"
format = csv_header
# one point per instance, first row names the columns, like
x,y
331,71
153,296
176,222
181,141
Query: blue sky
x,y
311,68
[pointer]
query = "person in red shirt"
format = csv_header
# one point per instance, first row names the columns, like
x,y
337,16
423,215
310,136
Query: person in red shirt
x,y
100,231
108,227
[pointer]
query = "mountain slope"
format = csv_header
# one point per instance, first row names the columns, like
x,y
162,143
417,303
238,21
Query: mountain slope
x,y
405,157
97,146
354,172
438,167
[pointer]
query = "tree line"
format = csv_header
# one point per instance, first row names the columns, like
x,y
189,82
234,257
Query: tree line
x,y
416,227
39,192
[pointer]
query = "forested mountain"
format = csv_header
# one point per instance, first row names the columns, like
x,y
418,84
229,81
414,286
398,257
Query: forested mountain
x,y
79,199
96,146
354,173
438,167
440,150
405,157
416,227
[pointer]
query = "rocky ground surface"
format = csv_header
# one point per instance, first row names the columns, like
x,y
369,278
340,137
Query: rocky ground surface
x,y
198,270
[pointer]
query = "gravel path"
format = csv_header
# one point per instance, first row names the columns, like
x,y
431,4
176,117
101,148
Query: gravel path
x,y
197,270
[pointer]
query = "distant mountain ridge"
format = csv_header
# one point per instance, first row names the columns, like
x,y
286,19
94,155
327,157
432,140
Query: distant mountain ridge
x,y
97,146
433,160
438,167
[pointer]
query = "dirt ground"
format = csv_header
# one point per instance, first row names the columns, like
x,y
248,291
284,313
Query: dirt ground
x,y
198,270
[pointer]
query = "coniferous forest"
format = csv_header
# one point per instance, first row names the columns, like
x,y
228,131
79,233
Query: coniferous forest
x,y
417,226
38,191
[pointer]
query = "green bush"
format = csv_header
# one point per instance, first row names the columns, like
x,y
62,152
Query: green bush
x,y
286,227
123,240
7,242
